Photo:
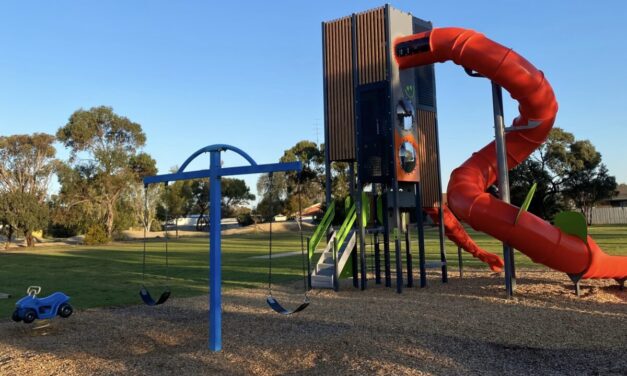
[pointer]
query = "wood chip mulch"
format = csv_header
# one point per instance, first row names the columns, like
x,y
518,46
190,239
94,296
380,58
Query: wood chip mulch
x,y
463,327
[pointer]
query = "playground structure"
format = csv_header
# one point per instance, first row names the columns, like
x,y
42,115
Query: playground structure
x,y
215,173
380,118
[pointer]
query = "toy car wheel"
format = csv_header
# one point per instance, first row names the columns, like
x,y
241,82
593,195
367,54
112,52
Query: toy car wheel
x,y
16,316
65,310
30,316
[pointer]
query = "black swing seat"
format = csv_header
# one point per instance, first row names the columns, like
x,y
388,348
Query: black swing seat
x,y
148,300
278,308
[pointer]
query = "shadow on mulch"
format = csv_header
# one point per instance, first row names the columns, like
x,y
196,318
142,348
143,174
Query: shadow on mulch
x,y
463,327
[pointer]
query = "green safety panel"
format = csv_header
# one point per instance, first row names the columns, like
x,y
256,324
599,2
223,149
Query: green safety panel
x,y
380,209
572,223
525,206
365,208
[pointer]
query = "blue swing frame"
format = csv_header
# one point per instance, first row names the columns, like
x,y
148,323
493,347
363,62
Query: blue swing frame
x,y
215,173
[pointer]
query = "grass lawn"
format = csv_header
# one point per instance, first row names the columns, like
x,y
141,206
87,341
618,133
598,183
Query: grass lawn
x,y
111,275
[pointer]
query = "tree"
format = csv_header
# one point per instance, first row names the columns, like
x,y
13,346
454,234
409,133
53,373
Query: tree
x,y
235,193
547,202
175,203
588,186
143,202
27,163
309,183
340,180
273,191
569,173
104,160
22,211
200,202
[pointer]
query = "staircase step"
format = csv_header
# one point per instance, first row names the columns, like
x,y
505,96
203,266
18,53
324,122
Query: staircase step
x,y
323,266
434,264
325,272
321,282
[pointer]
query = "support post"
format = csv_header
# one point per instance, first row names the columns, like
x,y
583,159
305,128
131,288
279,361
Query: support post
x,y
422,259
397,241
410,270
215,174
501,158
215,255
308,265
460,262
351,189
576,278
336,274
386,241
442,248
377,260
362,235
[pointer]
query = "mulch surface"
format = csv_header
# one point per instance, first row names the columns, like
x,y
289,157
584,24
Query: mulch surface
x,y
463,327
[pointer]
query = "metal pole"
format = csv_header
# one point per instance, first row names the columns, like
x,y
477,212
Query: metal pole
x,y
377,259
215,269
421,238
351,189
397,241
501,158
410,269
308,265
362,235
460,262
386,240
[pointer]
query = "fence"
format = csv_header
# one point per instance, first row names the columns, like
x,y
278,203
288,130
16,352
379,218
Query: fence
x,y
609,216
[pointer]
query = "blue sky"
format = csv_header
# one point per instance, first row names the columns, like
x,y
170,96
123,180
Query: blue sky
x,y
193,73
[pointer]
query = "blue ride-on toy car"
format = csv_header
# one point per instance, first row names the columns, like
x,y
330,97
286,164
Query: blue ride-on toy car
x,y
31,308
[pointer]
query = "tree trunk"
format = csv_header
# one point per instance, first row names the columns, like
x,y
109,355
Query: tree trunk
x,y
9,237
28,235
109,224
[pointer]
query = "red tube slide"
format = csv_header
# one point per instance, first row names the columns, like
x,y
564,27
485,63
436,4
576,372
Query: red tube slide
x,y
467,196
458,235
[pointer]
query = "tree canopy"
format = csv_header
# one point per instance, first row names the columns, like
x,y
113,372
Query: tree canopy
x,y
104,160
27,162
569,173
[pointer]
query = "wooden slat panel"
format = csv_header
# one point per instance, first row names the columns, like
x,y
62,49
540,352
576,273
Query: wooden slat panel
x,y
338,75
371,46
428,158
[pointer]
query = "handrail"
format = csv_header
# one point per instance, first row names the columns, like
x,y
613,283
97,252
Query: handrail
x,y
321,229
347,225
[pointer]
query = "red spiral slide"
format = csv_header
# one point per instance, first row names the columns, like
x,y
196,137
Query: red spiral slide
x,y
467,196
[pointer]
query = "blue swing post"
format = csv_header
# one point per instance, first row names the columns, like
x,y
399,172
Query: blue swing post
x,y
215,174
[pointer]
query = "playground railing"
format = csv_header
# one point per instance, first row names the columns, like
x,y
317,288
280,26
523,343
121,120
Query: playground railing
x,y
347,225
321,230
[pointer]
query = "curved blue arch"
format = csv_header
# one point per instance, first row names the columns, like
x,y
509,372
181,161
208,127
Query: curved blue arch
x,y
216,147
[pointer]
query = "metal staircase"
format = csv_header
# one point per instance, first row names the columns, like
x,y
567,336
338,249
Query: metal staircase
x,y
326,273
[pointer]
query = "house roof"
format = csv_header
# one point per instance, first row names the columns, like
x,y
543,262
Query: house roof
x,y
622,193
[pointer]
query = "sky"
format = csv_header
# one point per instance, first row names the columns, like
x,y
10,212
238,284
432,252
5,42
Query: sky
x,y
195,73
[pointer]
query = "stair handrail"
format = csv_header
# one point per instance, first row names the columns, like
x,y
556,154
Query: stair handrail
x,y
321,229
347,225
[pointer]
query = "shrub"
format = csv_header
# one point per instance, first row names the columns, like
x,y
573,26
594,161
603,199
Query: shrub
x,y
245,219
155,226
57,230
96,234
